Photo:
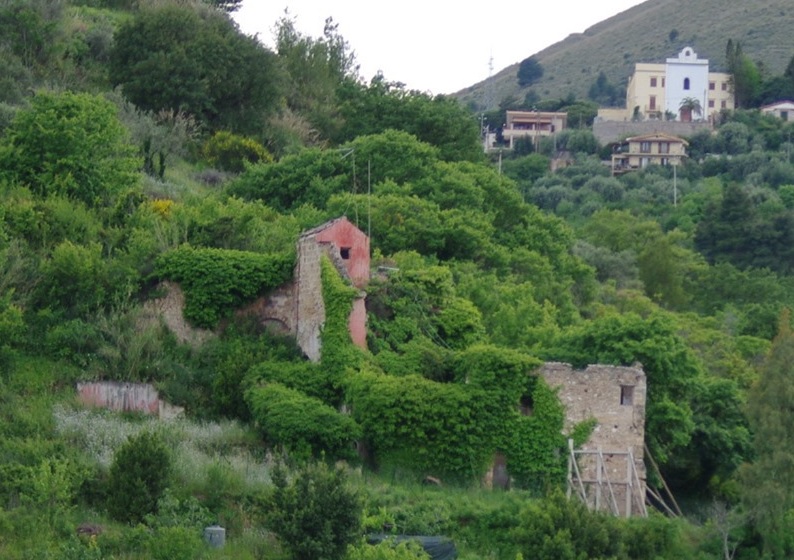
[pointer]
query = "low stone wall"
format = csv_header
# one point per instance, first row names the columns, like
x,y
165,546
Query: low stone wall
x,y
615,131
126,397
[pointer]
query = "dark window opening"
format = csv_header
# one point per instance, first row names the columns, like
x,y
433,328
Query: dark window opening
x,y
526,405
627,395
345,252
686,83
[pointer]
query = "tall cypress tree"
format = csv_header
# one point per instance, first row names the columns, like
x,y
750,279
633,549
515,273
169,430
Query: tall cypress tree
x,y
768,484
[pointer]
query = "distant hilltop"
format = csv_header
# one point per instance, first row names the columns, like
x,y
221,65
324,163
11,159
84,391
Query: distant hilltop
x,y
649,32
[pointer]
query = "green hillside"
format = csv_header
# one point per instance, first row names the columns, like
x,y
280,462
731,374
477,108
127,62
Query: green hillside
x,y
650,32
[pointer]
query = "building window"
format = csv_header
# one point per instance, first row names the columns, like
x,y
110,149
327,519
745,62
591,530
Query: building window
x,y
344,252
724,86
784,115
664,147
652,105
526,405
627,395
645,147
712,86
653,81
686,83
723,104
711,103
662,82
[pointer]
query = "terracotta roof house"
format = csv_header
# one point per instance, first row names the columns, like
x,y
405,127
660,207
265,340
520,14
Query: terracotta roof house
x,y
638,152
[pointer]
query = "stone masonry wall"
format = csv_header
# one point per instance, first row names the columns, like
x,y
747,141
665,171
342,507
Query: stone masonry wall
x,y
615,397
310,308
614,131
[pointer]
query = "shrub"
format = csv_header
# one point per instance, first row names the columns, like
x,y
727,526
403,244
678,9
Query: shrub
x,y
316,515
71,144
176,543
386,550
303,425
139,476
230,152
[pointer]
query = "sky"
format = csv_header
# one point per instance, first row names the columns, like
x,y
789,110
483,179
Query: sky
x,y
435,46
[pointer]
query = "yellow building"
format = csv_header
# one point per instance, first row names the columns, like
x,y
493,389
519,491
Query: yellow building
x,y
657,91
532,124
638,152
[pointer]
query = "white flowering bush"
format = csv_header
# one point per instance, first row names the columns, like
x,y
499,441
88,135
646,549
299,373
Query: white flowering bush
x,y
200,449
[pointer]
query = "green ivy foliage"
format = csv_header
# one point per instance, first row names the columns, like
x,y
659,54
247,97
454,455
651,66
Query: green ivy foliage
x,y
307,377
338,352
228,364
453,429
216,281
535,456
418,424
301,425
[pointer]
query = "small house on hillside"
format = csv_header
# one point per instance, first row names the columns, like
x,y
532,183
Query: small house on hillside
x,y
638,152
532,124
781,109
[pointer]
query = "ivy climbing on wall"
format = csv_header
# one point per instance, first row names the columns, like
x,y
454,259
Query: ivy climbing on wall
x,y
216,281
338,351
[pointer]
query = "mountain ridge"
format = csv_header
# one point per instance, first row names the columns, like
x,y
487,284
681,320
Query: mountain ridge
x,y
649,32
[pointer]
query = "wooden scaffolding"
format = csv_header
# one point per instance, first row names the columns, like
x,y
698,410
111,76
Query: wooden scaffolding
x,y
589,478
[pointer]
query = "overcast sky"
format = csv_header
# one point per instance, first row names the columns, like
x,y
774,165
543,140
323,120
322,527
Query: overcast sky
x,y
437,46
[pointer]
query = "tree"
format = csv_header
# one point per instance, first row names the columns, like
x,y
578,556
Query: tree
x,y
317,69
226,5
437,120
70,144
158,136
184,58
316,515
745,76
768,484
690,106
529,71
604,93
139,476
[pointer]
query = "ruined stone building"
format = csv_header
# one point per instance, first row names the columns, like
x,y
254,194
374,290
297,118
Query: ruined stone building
x,y
610,471
297,308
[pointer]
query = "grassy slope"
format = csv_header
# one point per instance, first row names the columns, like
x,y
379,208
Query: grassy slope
x,y
641,34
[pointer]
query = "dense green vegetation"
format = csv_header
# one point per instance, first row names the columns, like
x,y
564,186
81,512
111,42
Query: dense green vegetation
x,y
142,142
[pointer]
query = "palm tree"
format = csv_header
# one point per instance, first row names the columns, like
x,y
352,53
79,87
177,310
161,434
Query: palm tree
x,y
688,107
